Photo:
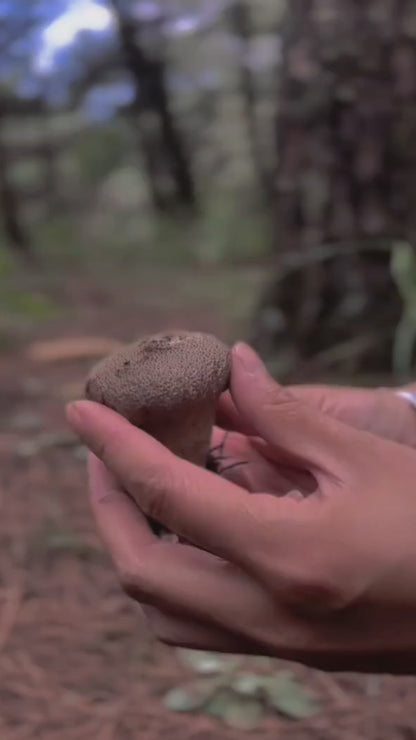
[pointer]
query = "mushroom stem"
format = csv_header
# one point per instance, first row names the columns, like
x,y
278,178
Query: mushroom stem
x,y
186,434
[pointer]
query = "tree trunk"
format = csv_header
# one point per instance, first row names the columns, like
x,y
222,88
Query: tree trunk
x,y
14,229
163,149
346,177
50,151
241,26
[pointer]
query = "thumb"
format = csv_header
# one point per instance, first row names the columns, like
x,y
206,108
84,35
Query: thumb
x,y
285,422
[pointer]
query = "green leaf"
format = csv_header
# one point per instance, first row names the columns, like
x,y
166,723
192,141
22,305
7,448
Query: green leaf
x,y
249,684
218,704
243,713
236,711
205,662
290,698
182,700
190,697
26,303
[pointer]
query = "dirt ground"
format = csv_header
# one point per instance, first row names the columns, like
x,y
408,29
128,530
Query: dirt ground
x,y
76,659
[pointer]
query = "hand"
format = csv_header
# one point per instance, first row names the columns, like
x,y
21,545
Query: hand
x,y
244,461
328,580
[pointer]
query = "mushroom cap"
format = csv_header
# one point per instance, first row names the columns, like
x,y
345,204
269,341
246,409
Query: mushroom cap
x,y
163,373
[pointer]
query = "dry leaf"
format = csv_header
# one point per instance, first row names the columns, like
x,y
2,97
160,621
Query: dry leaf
x,y
71,348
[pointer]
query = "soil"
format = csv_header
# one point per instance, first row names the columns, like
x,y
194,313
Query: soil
x,y
77,661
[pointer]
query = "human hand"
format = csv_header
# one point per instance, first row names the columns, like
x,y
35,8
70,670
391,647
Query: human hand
x,y
380,411
328,580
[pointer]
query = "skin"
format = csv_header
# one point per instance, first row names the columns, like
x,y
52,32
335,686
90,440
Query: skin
x,y
319,566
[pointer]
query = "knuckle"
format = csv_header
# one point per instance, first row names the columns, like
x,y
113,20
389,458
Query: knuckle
x,y
155,497
167,633
139,576
104,450
153,488
277,398
130,582
136,581
320,588
109,449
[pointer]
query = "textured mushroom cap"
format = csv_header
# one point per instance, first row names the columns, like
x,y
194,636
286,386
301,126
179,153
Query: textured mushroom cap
x,y
161,374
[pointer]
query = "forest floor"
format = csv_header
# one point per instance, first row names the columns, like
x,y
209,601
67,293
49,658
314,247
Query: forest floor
x,y
76,659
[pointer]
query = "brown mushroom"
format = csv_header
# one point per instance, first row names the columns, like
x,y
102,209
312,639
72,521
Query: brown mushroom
x,y
168,385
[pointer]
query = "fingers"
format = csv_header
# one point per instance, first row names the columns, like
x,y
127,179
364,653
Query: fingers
x,y
153,574
196,635
187,583
355,406
191,598
379,411
248,462
198,505
196,599
122,527
305,434
229,418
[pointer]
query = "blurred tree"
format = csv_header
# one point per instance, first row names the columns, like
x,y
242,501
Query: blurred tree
x,y
346,178
14,229
21,26
240,21
167,162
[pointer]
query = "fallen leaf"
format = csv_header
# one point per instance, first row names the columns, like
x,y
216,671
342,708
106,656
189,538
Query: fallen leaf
x,y
71,348
289,697
217,703
190,697
205,662
249,684
237,711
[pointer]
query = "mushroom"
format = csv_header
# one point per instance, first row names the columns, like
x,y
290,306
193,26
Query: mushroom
x,y
168,385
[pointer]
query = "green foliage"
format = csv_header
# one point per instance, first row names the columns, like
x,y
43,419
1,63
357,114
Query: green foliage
x,y
100,150
403,270
223,235
268,14
61,245
23,301
289,697
238,697
6,263
27,173
27,303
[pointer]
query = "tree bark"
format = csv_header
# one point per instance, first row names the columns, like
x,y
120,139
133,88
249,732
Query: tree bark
x,y
162,145
17,237
241,26
346,175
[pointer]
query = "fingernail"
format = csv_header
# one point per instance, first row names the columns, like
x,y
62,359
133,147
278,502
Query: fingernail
x,y
249,360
